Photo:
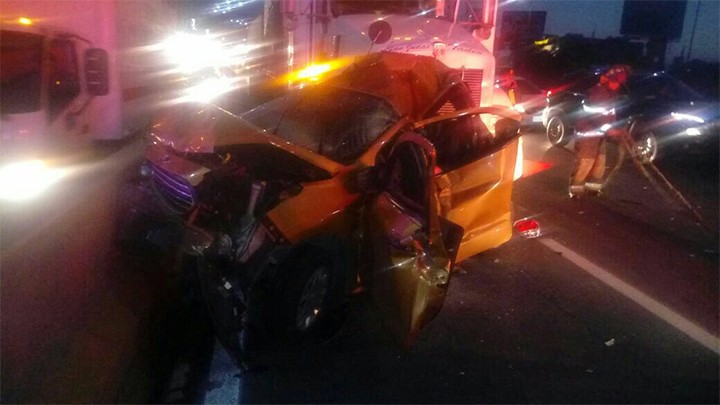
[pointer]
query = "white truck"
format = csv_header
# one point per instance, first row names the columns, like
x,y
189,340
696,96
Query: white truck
x,y
459,33
317,35
71,69
73,72
302,40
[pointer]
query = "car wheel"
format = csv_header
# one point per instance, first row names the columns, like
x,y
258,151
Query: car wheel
x,y
312,298
646,147
557,132
310,292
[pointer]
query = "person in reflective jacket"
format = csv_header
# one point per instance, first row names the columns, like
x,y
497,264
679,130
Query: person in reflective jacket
x,y
592,130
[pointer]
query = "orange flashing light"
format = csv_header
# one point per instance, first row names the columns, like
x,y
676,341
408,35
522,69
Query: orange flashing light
x,y
312,72
25,21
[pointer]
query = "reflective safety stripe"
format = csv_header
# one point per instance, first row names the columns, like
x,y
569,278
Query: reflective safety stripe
x,y
590,134
576,190
598,109
593,186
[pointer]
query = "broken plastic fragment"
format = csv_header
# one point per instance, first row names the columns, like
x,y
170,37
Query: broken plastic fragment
x,y
527,227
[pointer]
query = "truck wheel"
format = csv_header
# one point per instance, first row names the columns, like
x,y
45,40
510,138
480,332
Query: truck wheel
x,y
558,134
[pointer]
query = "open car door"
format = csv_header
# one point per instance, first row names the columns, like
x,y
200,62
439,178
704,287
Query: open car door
x,y
475,167
412,248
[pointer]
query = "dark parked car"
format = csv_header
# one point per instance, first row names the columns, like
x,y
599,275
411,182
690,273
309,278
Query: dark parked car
x,y
662,113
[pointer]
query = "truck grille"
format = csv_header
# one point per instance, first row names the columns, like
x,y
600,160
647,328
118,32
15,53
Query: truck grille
x,y
173,190
473,77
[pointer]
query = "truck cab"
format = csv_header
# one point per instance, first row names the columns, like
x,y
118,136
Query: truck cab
x,y
47,81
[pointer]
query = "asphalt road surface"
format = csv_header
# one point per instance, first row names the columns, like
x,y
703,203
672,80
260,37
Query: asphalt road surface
x,y
617,302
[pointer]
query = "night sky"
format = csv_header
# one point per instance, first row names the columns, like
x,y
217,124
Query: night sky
x,y
602,18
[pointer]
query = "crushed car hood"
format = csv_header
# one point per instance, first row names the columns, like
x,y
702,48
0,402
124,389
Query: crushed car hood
x,y
210,129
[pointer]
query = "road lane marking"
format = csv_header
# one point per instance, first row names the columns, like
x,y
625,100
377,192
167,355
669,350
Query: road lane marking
x,y
694,331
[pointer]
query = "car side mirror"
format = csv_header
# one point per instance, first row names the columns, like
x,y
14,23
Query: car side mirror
x,y
97,72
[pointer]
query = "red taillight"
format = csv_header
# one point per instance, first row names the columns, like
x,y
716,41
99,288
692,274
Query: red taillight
x,y
549,92
531,167
527,227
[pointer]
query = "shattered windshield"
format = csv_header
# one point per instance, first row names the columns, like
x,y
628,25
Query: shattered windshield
x,y
20,72
336,123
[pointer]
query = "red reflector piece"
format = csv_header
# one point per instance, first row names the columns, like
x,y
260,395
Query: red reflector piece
x,y
531,167
527,227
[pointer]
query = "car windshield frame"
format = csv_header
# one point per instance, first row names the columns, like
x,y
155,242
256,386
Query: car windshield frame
x,y
334,122
20,72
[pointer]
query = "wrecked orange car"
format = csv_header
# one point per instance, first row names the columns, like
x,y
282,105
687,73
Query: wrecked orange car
x,y
378,180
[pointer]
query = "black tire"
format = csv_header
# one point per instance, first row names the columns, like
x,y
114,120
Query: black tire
x,y
557,131
311,296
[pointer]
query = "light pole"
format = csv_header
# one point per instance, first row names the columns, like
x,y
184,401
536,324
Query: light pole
x,y
692,34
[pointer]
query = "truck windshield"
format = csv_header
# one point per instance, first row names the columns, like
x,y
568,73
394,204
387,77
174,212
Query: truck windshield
x,y
468,12
20,72
404,7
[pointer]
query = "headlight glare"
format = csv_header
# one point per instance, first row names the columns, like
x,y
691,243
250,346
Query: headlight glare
x,y
208,89
190,53
25,180
687,117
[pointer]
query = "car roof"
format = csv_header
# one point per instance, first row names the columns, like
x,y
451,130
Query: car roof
x,y
410,83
